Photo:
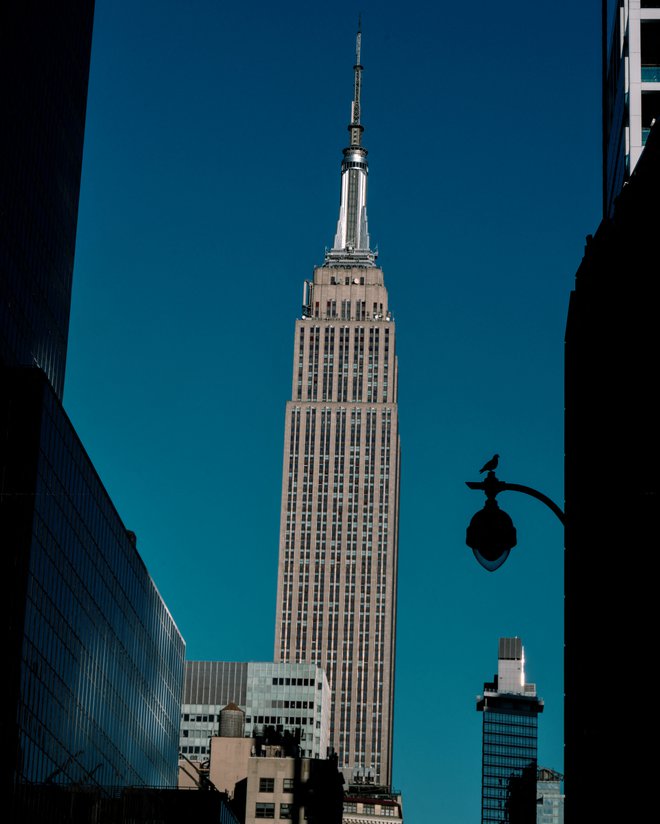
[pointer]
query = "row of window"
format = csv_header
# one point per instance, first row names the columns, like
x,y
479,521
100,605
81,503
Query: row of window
x,y
267,785
266,809
276,720
296,682
323,364
389,811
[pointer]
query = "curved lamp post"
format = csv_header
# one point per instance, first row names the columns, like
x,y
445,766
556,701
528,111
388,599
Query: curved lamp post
x,y
491,534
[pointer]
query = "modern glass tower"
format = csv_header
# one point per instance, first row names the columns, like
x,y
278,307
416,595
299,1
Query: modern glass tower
x,y
92,659
510,713
337,576
93,665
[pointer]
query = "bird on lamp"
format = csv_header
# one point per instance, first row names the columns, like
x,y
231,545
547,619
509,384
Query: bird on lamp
x,y
490,465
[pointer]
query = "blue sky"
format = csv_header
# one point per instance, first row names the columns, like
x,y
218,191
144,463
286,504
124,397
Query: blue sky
x,y
210,189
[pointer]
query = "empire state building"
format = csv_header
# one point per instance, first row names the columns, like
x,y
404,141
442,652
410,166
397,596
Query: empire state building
x,y
337,575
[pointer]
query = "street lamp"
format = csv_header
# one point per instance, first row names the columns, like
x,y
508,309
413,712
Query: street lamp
x,y
491,534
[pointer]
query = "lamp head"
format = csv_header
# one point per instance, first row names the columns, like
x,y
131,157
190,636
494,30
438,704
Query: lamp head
x,y
491,535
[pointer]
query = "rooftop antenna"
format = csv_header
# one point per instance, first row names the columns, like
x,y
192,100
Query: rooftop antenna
x,y
357,68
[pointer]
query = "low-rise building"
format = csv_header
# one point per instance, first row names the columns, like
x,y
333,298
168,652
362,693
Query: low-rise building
x,y
295,789
289,697
549,797
267,778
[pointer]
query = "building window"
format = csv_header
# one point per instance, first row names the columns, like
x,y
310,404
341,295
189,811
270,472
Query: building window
x,y
350,807
650,48
285,810
266,785
650,111
368,809
288,785
264,810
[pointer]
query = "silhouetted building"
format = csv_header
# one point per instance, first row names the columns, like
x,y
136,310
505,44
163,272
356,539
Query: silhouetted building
x,y
612,443
549,797
631,88
44,69
93,662
338,556
510,720
612,510
123,805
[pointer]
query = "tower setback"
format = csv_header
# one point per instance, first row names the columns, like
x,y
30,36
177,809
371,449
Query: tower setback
x,y
337,575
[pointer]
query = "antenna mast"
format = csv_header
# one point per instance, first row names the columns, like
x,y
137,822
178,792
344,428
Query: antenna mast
x,y
355,127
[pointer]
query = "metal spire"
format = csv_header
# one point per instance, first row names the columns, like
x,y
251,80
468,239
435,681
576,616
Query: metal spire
x,y
356,133
351,245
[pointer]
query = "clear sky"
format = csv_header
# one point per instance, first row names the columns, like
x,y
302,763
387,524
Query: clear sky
x,y
210,189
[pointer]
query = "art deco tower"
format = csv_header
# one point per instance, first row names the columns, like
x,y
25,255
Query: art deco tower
x,y
337,577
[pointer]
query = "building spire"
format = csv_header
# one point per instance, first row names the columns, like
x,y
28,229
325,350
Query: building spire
x,y
351,246
355,128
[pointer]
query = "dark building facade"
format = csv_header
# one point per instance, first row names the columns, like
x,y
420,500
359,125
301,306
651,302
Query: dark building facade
x,y
125,805
510,710
95,664
44,69
612,444
612,498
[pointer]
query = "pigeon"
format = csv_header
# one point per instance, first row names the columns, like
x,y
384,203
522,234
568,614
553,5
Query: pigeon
x,y
490,465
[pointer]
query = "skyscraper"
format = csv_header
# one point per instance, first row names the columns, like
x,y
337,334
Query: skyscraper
x,y
631,87
510,713
337,576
